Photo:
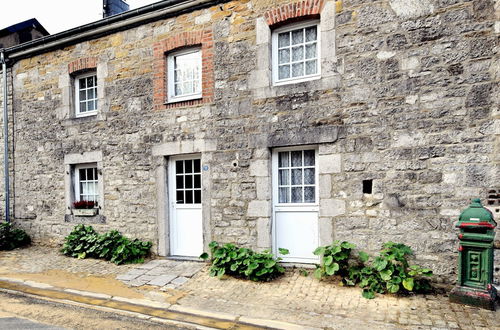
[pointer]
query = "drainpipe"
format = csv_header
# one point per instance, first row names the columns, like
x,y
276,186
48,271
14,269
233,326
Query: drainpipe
x,y
3,60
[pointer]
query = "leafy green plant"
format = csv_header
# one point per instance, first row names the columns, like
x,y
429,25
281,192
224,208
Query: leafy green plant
x,y
334,259
12,238
389,272
243,262
85,242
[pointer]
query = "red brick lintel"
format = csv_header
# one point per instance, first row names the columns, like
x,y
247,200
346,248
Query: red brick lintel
x,y
293,10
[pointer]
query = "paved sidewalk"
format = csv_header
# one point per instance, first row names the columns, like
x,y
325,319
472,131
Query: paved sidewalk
x,y
291,299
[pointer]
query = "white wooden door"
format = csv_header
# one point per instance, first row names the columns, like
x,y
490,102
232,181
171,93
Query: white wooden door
x,y
295,203
186,227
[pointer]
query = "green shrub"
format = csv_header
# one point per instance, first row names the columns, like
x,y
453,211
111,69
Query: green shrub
x,y
12,238
85,242
243,262
389,272
334,259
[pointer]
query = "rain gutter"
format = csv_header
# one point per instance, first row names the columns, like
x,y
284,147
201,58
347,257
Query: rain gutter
x,y
3,60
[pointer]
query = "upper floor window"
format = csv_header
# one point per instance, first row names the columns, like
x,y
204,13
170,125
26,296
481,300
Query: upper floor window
x,y
296,53
184,75
86,94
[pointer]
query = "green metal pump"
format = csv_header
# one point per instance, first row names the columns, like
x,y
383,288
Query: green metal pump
x,y
475,258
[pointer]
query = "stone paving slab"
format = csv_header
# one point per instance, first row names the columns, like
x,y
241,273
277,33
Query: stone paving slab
x,y
169,274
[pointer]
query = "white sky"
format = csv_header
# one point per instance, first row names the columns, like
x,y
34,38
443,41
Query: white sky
x,y
56,15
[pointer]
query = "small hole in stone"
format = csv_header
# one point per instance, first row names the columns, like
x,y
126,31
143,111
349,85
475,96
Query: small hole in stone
x,y
235,164
367,186
497,210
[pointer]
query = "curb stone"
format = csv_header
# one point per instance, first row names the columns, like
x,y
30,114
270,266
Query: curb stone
x,y
153,309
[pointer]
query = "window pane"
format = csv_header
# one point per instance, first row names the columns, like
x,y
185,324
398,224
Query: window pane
x,y
284,39
197,181
297,69
284,72
180,197
283,159
90,94
83,106
311,51
83,174
297,53
189,166
311,67
309,157
179,182
90,174
311,33
83,83
83,95
197,165
283,177
189,197
297,36
309,177
90,81
189,181
284,56
309,195
296,194
197,196
283,195
178,89
297,176
187,87
178,167
296,158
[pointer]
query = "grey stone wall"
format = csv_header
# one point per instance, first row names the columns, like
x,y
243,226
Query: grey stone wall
x,y
411,102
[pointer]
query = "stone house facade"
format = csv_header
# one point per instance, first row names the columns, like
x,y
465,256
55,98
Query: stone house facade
x,y
269,124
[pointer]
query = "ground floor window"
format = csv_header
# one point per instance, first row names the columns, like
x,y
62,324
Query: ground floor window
x,y
86,183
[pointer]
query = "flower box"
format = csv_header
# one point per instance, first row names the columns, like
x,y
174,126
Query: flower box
x,y
84,212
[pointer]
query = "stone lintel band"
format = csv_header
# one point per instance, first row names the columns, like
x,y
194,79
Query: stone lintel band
x,y
81,64
204,39
293,10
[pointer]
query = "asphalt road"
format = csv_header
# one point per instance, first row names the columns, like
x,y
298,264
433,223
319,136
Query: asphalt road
x,y
22,312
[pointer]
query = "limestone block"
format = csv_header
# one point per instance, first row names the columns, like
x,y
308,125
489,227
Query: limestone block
x,y
258,209
411,8
259,167
331,207
262,31
263,187
325,186
325,231
331,163
264,232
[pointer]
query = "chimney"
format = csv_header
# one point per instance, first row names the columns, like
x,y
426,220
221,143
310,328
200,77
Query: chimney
x,y
113,7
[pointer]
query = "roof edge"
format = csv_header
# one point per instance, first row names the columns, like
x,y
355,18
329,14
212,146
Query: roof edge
x,y
106,26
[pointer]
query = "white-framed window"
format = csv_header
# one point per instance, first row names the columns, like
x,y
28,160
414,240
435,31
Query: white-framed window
x,y
297,176
296,53
86,182
184,75
86,94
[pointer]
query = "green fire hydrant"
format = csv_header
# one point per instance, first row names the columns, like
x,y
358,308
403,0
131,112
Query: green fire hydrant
x,y
475,258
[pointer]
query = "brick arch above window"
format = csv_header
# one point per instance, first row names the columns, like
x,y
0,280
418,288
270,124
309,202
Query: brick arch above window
x,y
202,39
82,64
306,8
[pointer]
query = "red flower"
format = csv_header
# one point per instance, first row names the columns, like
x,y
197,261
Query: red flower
x,y
83,204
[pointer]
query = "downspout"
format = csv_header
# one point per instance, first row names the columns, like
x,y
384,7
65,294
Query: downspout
x,y
3,60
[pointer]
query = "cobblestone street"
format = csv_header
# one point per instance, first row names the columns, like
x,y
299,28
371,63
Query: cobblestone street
x,y
292,298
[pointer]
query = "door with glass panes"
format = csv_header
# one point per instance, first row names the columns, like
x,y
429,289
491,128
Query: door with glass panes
x,y
295,203
186,227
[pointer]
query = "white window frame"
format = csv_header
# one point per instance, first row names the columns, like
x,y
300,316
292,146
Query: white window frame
x,y
275,175
274,54
76,182
170,75
77,95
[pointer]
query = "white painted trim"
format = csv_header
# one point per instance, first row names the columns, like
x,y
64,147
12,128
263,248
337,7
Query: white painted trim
x,y
295,207
171,198
170,75
76,182
77,94
274,53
